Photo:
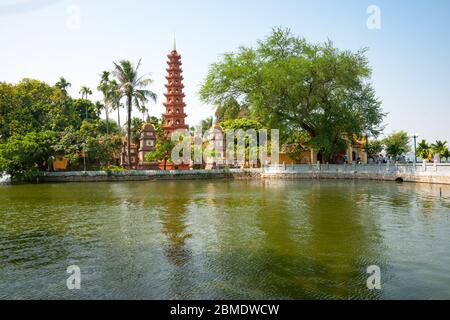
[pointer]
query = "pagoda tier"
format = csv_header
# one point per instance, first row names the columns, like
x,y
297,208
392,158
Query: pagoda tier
x,y
170,86
175,116
174,77
173,95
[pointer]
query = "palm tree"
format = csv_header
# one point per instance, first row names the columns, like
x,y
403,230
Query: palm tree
x,y
424,150
105,88
63,84
85,92
132,87
438,148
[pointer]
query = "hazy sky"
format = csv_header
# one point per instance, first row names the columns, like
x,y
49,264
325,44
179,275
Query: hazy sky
x,y
45,39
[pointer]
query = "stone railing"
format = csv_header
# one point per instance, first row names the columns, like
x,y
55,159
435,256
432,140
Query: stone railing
x,y
430,173
440,168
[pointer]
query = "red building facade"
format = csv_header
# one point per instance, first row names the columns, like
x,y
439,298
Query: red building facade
x,y
175,116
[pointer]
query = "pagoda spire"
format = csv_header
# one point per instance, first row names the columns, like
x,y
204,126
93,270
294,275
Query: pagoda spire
x,y
174,43
175,116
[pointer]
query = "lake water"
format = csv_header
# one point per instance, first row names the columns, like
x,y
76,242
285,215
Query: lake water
x,y
225,240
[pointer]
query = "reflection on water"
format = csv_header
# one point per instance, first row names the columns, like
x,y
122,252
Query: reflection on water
x,y
225,239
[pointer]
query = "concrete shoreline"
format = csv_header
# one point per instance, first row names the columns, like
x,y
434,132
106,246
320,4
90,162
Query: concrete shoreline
x,y
305,172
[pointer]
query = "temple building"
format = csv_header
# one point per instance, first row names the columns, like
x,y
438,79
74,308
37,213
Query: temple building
x,y
147,144
174,117
354,153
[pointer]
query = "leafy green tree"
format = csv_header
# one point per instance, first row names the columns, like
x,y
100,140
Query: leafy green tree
x,y
243,124
251,146
296,145
100,147
85,109
32,105
231,110
424,150
110,128
132,87
157,124
438,148
373,148
69,144
136,129
445,154
23,155
9,102
163,151
397,144
292,85
32,112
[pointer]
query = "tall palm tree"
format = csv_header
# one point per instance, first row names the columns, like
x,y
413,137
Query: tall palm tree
x,y
438,148
63,85
85,92
132,87
424,150
105,88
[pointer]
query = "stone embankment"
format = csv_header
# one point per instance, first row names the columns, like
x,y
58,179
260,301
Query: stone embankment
x,y
434,174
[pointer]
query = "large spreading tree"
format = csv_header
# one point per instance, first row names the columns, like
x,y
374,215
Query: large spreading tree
x,y
289,84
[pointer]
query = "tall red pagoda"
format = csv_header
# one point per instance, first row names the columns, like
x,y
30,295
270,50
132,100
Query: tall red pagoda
x,y
174,117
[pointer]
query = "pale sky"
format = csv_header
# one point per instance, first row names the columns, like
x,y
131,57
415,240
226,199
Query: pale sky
x,y
46,39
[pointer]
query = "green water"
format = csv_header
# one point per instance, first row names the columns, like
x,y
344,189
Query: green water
x,y
225,240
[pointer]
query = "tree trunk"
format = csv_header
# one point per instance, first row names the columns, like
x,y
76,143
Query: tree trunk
x,y
165,164
129,130
118,117
107,118
107,125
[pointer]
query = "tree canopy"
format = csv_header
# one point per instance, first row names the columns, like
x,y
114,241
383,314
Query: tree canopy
x,y
397,144
39,121
289,84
